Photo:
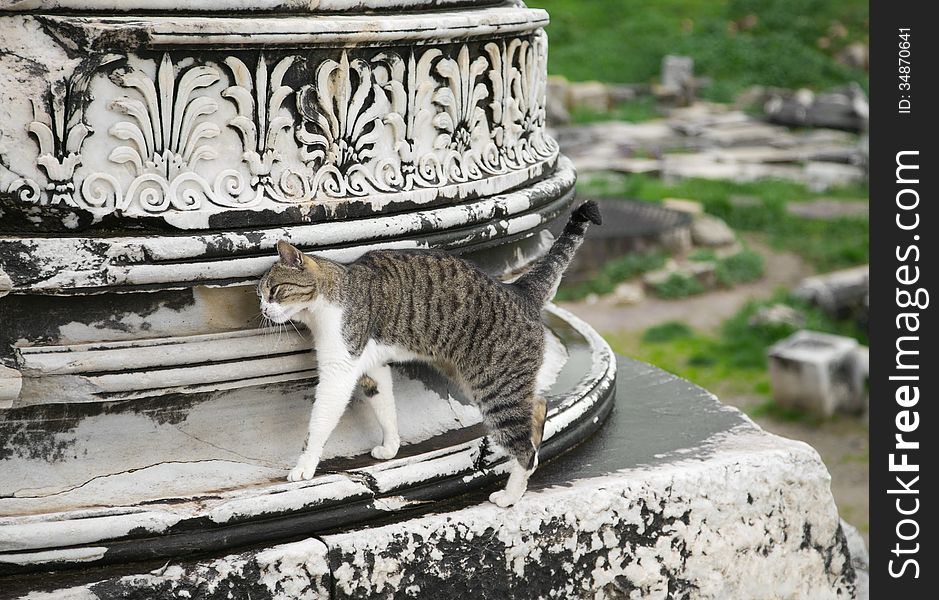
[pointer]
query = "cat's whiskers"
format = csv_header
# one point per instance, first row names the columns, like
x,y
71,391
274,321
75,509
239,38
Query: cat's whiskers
x,y
294,325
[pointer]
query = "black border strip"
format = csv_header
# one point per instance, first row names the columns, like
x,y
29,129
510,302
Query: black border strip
x,y
903,54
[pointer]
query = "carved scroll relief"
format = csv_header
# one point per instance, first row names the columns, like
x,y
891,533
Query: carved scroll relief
x,y
350,123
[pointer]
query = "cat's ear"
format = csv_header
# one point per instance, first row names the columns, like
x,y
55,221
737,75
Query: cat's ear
x,y
289,256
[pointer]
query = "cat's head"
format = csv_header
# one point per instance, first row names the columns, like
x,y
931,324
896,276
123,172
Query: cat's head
x,y
295,283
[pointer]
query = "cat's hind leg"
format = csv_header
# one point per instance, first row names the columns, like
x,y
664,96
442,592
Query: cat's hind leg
x,y
377,389
519,431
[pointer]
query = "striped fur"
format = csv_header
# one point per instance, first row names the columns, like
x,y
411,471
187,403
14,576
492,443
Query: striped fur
x,y
402,304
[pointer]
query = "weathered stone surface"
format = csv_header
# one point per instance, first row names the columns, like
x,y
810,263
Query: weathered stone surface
x,y
627,294
828,209
676,496
777,314
821,176
626,92
680,204
556,110
630,226
296,571
841,108
591,95
704,272
677,241
713,141
677,79
859,559
143,120
817,372
11,381
838,291
159,475
710,231
734,517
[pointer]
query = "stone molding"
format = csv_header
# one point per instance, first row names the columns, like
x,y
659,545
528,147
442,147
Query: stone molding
x,y
184,478
75,265
311,6
182,133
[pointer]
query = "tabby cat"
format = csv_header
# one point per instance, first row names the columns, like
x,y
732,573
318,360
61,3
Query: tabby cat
x,y
401,305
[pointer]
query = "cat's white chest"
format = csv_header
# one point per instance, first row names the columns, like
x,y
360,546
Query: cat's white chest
x,y
325,321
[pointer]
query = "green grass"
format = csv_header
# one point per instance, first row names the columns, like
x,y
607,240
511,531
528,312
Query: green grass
x,y
769,408
666,332
733,360
743,267
678,285
634,111
625,40
612,273
826,245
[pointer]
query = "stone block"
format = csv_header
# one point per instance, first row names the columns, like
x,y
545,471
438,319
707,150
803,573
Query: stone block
x,y
558,87
680,204
711,232
705,272
678,82
677,240
838,291
828,209
677,70
590,95
817,372
777,314
821,176
628,294
623,93
556,102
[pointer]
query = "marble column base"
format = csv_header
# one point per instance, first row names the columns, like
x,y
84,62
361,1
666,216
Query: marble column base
x,y
676,496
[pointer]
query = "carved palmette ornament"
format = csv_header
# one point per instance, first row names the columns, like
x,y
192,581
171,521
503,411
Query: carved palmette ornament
x,y
357,124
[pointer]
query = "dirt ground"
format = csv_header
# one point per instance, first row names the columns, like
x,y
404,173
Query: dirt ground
x,y
705,312
842,442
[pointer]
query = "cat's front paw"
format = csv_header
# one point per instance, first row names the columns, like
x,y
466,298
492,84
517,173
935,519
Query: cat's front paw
x,y
305,469
503,498
386,451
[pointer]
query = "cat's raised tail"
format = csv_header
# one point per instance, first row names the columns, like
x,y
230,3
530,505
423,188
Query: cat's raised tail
x,y
542,280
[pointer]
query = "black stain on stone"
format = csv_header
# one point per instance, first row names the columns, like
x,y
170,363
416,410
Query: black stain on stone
x,y
449,563
828,553
241,579
46,431
38,319
34,440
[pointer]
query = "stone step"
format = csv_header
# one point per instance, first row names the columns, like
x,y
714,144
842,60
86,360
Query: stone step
x,y
106,482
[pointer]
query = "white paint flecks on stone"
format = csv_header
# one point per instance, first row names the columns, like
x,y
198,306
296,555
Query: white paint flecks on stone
x,y
6,284
734,513
735,521
230,5
11,381
225,457
228,133
64,264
